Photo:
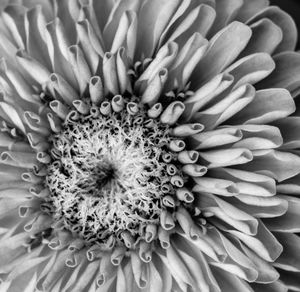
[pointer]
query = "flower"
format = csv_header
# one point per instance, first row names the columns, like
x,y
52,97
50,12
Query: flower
x,y
149,145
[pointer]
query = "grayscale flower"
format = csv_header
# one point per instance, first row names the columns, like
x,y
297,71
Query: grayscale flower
x,y
149,145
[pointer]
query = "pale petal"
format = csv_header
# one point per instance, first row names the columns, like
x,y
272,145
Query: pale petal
x,y
237,263
207,93
264,244
290,129
257,137
290,258
276,164
153,24
226,157
291,280
214,138
199,20
86,276
163,59
290,221
250,8
268,105
251,69
36,36
249,183
290,186
286,73
223,48
80,67
266,272
277,286
115,17
226,12
228,213
92,57
14,19
261,30
258,206
229,282
215,186
57,45
284,21
226,108
187,58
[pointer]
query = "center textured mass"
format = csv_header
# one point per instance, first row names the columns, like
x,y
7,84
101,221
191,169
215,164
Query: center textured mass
x,y
106,176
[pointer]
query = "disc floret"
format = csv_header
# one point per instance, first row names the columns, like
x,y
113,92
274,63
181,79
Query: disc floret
x,y
108,176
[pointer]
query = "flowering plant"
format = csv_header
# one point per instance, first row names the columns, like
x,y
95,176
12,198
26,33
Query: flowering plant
x,y
149,145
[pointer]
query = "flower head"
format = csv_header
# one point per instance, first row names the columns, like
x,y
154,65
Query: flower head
x,y
148,145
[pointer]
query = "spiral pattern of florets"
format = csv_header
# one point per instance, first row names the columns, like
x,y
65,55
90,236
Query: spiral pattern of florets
x,y
149,145
111,174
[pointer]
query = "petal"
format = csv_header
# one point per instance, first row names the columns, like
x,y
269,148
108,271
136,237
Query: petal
x,y
164,273
249,183
286,74
187,58
266,272
227,107
226,12
12,116
214,138
237,262
230,282
264,243
154,17
215,186
261,30
277,286
36,36
115,18
14,18
163,60
225,157
237,219
268,105
199,20
251,69
290,221
57,45
223,48
91,55
259,207
276,164
290,258
195,262
207,93
257,137
251,8
290,186
290,280
86,276
290,129
284,21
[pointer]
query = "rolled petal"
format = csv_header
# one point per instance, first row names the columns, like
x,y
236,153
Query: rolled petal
x,y
226,157
215,138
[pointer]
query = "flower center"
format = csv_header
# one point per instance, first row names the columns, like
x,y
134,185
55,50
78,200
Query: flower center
x,y
107,174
